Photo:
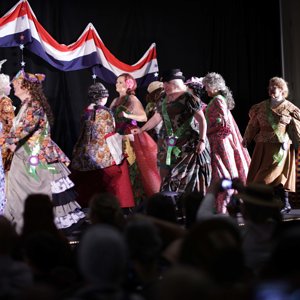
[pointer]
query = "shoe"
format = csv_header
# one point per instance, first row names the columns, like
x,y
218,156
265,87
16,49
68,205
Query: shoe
x,y
286,210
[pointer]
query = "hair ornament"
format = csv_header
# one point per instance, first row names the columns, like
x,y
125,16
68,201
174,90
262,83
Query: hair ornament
x,y
195,81
38,77
129,83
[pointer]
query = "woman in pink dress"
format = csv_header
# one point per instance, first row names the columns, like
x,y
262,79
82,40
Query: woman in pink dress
x,y
229,158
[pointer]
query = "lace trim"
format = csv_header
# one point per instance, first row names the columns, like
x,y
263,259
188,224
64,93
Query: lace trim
x,y
61,185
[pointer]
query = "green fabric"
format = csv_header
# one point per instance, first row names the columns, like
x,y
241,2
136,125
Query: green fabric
x,y
282,137
31,169
171,135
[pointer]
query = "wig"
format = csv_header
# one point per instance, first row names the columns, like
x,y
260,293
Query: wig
x,y
33,83
216,81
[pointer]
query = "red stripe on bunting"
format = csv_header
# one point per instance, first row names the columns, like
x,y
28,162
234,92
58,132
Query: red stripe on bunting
x,y
113,60
19,11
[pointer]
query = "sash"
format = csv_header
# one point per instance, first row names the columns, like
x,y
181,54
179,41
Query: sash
x,y
172,137
282,137
33,159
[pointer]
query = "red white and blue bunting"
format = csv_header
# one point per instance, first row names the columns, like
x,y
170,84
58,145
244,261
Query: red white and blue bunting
x,y
19,27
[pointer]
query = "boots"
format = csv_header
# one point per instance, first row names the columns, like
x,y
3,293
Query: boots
x,y
287,207
284,196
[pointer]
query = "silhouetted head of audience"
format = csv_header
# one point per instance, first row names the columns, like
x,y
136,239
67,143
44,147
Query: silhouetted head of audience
x,y
8,236
260,203
105,208
190,203
214,247
143,240
161,207
284,263
38,214
185,282
102,256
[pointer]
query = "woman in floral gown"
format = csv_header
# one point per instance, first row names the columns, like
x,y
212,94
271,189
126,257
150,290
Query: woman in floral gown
x,y
38,164
6,117
98,163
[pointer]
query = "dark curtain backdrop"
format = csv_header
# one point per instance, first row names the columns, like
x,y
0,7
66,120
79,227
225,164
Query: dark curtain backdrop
x,y
236,38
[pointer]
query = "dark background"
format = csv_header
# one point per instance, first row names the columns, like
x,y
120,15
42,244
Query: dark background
x,y
236,38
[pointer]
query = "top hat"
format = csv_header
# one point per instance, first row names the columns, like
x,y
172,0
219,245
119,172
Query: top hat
x,y
171,74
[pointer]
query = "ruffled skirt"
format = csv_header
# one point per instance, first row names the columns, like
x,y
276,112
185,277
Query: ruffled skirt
x,y
52,180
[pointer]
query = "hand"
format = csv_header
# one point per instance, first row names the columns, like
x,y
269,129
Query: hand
x,y
200,147
136,130
215,187
244,143
124,114
12,147
2,140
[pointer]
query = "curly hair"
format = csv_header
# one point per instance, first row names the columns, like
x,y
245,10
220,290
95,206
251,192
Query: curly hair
x,y
97,91
36,91
216,81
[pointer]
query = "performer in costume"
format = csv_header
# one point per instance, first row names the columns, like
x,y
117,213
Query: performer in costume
x,y
229,158
6,116
155,91
183,151
141,150
38,164
98,158
6,113
273,159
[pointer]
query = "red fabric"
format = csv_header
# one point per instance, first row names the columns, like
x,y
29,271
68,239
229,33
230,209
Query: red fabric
x,y
145,150
114,179
117,181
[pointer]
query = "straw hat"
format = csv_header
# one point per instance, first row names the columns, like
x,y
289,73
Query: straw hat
x,y
154,85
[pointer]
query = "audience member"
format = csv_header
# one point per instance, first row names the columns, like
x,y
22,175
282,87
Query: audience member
x,y
104,208
145,246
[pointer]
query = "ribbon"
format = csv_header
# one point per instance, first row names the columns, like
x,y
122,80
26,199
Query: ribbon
x,y
33,161
173,137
